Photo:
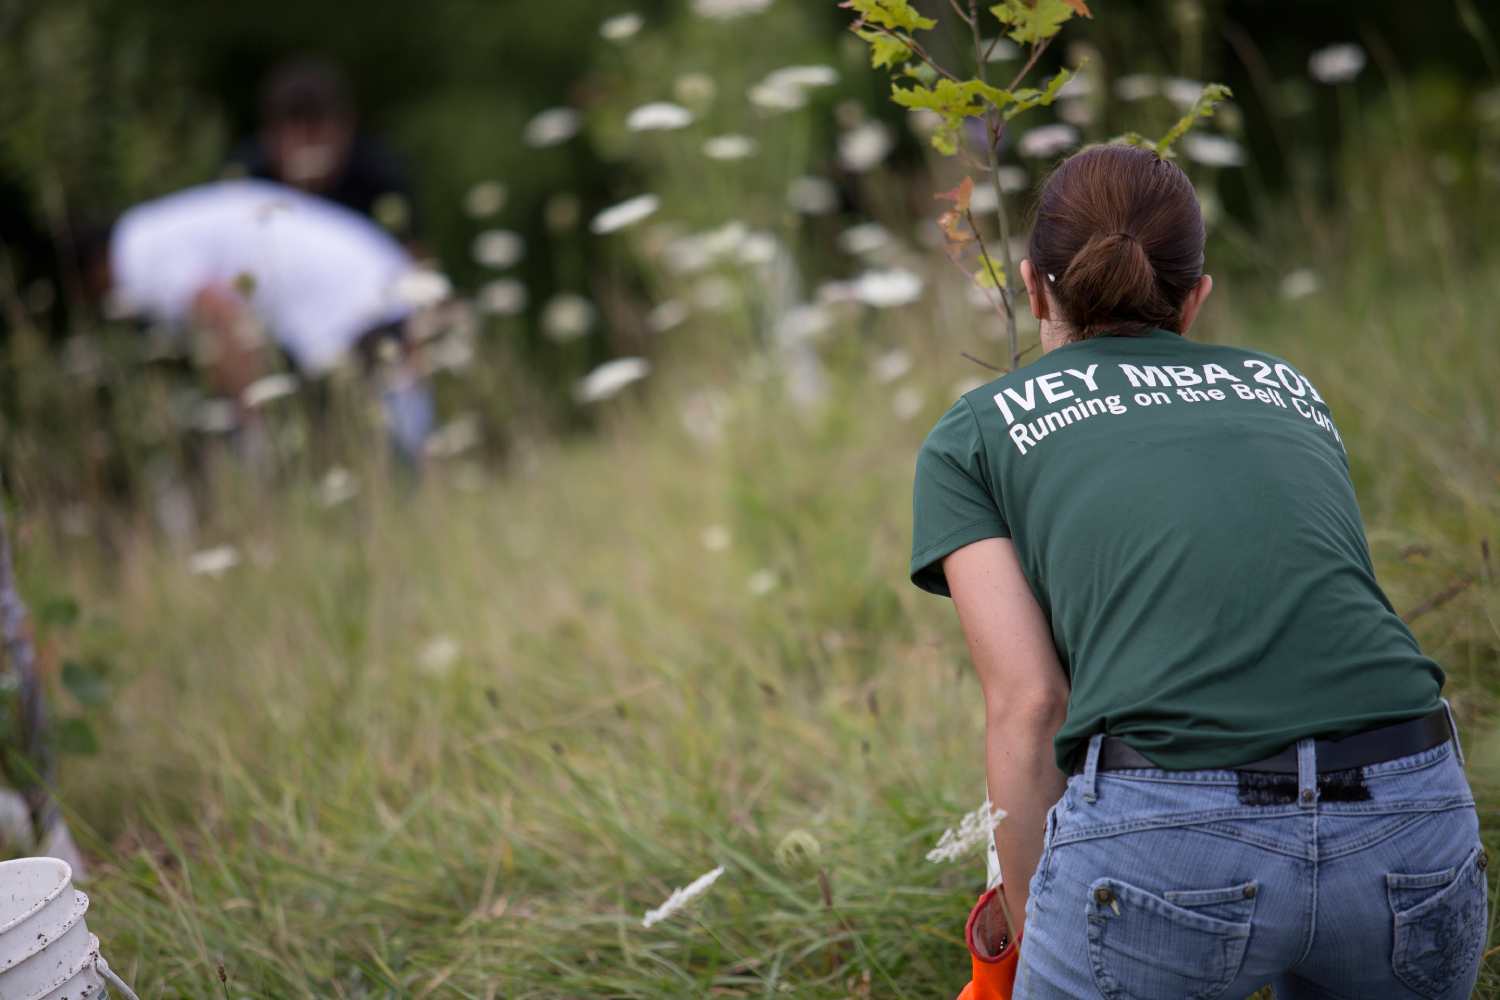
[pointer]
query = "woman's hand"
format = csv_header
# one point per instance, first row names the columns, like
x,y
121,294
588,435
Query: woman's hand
x,y
1025,699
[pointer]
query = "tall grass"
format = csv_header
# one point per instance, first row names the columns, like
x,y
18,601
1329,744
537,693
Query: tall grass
x,y
301,790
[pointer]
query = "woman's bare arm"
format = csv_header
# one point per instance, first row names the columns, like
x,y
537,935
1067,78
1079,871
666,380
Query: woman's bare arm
x,y
1025,699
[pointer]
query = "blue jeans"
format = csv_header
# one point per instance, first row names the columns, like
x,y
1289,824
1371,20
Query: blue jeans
x,y
1158,885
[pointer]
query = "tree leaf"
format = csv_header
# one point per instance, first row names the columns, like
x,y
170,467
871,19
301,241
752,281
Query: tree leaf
x,y
86,682
990,273
1080,8
1033,21
885,51
959,195
898,15
75,735
1213,95
1030,97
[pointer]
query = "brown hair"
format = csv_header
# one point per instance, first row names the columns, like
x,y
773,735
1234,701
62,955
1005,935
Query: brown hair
x,y
1118,239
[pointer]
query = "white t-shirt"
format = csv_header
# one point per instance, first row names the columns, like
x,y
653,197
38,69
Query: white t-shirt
x,y
319,275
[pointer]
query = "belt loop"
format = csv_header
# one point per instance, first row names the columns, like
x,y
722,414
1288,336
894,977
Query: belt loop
x,y
1091,769
1307,772
1458,747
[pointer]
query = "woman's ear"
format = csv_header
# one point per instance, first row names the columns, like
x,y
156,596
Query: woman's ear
x,y
1194,301
1036,295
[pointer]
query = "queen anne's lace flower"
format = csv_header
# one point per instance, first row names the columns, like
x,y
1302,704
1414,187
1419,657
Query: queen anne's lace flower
x,y
972,833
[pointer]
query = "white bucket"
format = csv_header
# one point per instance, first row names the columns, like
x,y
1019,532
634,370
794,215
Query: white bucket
x,y
46,949
85,983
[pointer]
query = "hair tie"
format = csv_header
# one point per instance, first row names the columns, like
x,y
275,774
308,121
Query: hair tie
x,y
1128,236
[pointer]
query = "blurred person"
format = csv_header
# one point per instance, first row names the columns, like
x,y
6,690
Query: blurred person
x,y
309,138
230,260
1224,758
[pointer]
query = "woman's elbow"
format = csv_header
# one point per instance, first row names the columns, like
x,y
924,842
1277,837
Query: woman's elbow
x,y
1040,710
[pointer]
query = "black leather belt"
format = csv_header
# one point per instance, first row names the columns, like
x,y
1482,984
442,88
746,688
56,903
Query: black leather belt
x,y
1372,746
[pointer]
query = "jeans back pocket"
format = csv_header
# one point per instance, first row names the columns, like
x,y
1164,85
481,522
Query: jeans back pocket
x,y
1181,944
1440,926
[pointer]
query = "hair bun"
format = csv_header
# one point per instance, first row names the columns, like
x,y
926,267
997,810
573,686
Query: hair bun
x,y
1111,276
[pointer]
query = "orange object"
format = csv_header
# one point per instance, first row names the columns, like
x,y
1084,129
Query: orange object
x,y
993,976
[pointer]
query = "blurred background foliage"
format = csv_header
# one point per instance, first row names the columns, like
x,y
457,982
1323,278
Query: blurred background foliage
x,y
107,102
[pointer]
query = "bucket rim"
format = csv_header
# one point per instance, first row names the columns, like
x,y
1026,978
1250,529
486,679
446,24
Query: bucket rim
x,y
65,870
31,949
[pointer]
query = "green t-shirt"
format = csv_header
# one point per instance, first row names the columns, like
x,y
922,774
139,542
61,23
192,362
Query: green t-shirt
x,y
1184,516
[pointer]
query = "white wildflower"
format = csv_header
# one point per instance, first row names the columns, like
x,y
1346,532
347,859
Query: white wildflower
x,y
338,486
1210,207
567,316
607,380
551,128
812,196
802,323
626,213
966,385
1181,92
891,365
1047,141
452,351
1487,105
973,830
621,27
1299,284
421,287
268,389
727,10
1137,87
729,147
888,289
666,315
865,146
504,297
715,538
923,122
715,293
802,77
484,199
1076,112
1000,49
776,98
907,402
1212,150
1336,63
214,562
215,416
438,655
1012,180
682,897
758,249
864,238
704,414
698,251
463,433
982,299
499,248
658,116
761,582
695,89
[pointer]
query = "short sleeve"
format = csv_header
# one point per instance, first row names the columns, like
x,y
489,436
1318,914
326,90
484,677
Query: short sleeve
x,y
952,502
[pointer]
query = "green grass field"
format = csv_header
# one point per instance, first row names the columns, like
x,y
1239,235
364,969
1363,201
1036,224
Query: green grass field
x,y
457,742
